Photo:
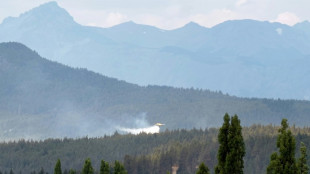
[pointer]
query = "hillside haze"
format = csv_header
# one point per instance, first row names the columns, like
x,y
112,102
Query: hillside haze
x,y
42,99
245,58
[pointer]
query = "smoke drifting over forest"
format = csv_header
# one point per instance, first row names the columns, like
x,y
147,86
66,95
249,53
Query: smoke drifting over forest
x,y
140,125
149,130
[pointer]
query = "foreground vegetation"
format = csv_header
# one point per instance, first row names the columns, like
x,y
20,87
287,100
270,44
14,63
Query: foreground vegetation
x,y
155,153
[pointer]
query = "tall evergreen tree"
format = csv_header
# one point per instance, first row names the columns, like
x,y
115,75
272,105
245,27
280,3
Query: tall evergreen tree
x,y
223,148
236,146
104,167
302,166
119,168
57,169
88,168
284,162
232,148
203,169
274,164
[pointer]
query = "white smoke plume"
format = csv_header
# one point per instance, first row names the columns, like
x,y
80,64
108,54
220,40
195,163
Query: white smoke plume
x,y
149,130
140,125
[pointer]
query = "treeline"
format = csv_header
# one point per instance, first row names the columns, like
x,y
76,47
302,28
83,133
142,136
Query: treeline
x,y
105,168
144,153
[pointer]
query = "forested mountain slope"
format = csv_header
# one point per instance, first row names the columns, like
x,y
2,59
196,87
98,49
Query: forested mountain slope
x,y
246,58
41,99
144,154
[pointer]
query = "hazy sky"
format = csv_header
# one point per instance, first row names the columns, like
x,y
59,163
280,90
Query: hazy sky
x,y
169,14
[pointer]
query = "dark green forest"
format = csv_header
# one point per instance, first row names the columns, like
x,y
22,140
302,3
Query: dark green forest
x,y
145,153
76,102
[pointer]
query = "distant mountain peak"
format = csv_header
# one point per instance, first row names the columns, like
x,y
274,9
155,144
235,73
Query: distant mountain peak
x,y
50,9
129,23
125,24
51,4
244,22
47,12
132,26
192,24
46,8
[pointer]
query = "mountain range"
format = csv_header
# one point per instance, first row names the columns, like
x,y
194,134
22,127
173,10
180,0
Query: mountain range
x,y
42,99
245,58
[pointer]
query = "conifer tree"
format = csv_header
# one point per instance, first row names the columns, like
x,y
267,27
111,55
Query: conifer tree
x,y
236,146
88,168
284,162
223,148
57,169
119,168
104,167
232,148
274,164
302,166
203,169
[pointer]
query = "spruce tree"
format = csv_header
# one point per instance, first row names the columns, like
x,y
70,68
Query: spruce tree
x,y
104,167
302,166
223,142
203,169
232,148
87,169
119,168
274,164
57,169
284,162
236,146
